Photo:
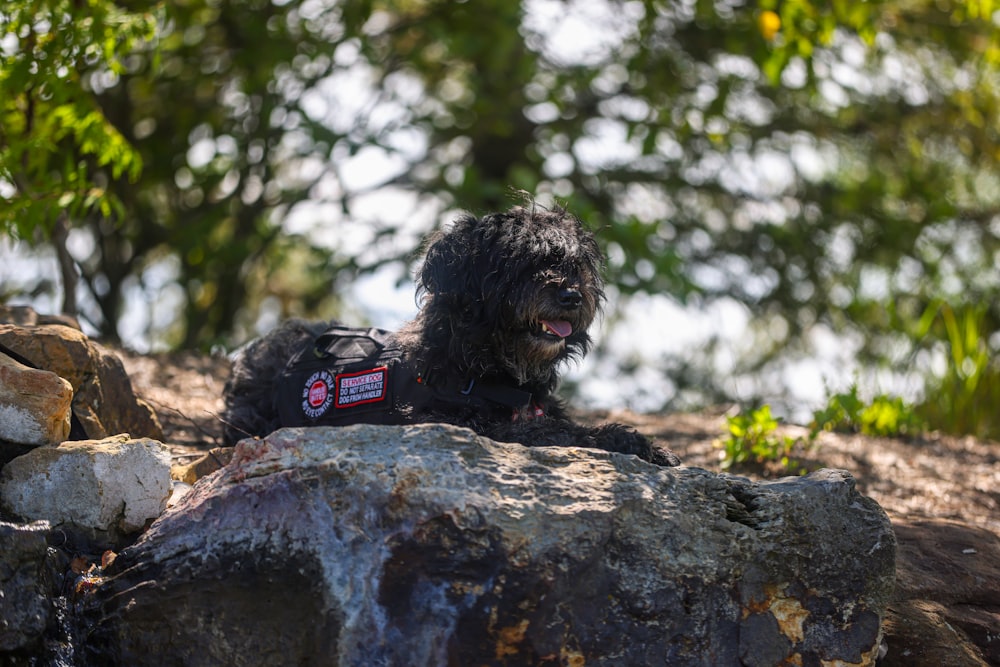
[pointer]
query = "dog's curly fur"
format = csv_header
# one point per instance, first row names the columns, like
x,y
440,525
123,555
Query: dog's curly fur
x,y
506,299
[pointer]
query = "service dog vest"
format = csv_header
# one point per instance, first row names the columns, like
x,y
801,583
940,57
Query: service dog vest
x,y
351,376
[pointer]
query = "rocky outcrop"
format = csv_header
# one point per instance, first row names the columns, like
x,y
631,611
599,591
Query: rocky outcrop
x,y
429,545
34,404
103,400
26,587
109,487
946,608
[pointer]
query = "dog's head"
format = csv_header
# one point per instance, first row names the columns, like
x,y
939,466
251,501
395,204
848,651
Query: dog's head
x,y
512,292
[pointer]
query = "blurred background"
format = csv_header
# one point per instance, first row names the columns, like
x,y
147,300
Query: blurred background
x,y
796,199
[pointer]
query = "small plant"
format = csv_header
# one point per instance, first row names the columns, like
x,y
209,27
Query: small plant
x,y
964,399
885,416
752,438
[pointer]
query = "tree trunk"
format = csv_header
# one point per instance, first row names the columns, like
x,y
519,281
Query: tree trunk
x,y
67,265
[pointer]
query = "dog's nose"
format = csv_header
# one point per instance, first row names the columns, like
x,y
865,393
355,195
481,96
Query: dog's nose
x,y
570,297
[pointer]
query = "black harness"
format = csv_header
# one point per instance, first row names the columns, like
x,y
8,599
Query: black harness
x,y
352,376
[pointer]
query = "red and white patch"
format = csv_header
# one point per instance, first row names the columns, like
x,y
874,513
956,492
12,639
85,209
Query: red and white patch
x,y
360,387
317,395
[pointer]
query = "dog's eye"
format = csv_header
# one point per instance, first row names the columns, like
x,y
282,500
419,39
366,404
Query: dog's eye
x,y
549,278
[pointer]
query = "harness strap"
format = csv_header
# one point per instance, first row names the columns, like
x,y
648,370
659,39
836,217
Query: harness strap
x,y
498,393
344,342
348,375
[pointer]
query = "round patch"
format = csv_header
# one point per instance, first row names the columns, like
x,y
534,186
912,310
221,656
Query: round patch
x,y
316,395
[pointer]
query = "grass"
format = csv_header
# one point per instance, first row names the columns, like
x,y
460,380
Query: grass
x,y
965,399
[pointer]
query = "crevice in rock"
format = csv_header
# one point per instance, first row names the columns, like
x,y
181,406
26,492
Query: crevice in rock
x,y
740,506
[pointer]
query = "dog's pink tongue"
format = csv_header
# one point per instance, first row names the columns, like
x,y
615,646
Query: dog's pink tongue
x,y
561,328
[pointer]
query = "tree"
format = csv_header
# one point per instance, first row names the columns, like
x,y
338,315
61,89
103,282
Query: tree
x,y
827,166
54,56
218,122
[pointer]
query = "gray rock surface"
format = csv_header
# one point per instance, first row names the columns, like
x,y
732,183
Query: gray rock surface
x,y
428,545
114,486
26,586
946,608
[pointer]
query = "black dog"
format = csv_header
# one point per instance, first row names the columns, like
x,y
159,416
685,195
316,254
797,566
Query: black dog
x,y
505,300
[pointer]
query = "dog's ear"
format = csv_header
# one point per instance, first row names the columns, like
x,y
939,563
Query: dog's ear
x,y
448,264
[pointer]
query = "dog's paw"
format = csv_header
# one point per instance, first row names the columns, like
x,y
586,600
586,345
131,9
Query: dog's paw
x,y
664,457
626,440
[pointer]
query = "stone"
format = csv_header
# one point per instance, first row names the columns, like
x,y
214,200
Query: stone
x,y
946,608
26,316
26,586
11,450
429,545
212,460
116,485
103,400
34,404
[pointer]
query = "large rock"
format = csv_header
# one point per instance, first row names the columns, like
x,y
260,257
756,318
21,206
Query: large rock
x,y
26,586
103,399
946,608
34,404
428,545
114,486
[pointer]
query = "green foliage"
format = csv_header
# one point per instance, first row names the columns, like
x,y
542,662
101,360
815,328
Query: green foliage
x,y
964,399
812,161
54,136
216,112
884,416
753,438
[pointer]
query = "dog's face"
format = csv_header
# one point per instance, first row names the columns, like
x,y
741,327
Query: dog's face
x,y
515,292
